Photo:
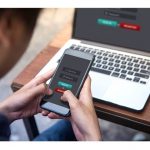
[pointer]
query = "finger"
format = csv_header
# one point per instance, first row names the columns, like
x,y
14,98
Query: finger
x,y
45,112
54,116
86,89
87,86
39,79
35,92
70,98
39,110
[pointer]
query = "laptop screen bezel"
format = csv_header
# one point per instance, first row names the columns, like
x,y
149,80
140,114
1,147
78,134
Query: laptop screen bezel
x,y
74,23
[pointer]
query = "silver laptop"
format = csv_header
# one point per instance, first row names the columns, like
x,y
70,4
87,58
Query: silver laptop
x,y
120,40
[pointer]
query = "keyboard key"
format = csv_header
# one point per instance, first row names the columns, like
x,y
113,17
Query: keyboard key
x,y
72,46
143,82
107,72
145,72
78,47
122,58
99,53
99,57
129,79
104,62
93,52
116,65
83,50
129,68
117,70
133,57
110,64
111,55
148,63
142,62
136,79
111,59
130,64
136,65
135,60
123,67
105,67
115,74
143,66
129,59
117,57
123,62
122,76
142,75
117,61
105,58
124,71
111,68
98,61
136,69
148,68
98,65
88,51
105,54
130,72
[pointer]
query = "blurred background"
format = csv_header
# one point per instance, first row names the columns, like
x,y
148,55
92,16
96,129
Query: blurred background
x,y
49,24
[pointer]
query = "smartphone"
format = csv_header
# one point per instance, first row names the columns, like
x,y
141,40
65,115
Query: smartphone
x,y
70,75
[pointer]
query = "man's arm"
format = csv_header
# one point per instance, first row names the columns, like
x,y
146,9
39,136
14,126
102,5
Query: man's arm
x,y
4,128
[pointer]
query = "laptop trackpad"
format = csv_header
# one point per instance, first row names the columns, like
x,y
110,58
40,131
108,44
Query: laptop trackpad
x,y
125,93
116,90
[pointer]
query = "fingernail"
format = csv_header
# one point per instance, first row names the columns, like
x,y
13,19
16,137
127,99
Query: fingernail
x,y
50,91
46,86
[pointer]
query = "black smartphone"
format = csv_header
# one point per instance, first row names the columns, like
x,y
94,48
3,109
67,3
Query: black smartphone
x,y
70,75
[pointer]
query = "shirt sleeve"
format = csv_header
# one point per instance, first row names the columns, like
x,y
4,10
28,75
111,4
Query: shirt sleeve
x,y
4,128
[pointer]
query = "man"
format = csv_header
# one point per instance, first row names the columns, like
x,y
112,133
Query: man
x,y
16,26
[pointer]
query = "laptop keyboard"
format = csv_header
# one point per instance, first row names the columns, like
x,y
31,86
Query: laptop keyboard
x,y
118,65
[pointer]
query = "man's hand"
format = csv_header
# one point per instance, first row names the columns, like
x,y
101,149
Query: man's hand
x,y
25,102
83,117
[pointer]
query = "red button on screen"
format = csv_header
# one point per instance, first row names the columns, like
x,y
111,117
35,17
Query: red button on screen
x,y
60,90
130,26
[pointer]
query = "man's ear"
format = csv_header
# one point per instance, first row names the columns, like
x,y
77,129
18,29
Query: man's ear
x,y
6,26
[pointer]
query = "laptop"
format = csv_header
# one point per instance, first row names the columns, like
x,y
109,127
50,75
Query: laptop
x,y
119,39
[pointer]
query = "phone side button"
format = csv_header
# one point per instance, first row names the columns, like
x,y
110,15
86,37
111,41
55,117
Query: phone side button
x,y
60,90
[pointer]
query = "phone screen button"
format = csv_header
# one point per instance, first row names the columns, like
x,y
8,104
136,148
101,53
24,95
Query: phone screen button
x,y
60,90
65,85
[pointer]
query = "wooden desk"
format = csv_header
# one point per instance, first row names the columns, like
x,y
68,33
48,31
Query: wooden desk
x,y
136,120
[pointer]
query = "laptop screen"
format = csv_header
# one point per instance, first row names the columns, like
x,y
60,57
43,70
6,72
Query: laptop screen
x,y
125,27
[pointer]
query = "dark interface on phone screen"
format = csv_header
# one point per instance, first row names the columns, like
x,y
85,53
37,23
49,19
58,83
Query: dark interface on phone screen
x,y
68,77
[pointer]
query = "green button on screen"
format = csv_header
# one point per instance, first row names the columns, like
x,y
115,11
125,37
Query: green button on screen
x,y
65,85
107,22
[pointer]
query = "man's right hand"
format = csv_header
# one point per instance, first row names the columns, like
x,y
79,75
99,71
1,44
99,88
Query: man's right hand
x,y
83,117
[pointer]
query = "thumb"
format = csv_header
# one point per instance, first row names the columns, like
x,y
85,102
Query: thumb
x,y
86,89
70,98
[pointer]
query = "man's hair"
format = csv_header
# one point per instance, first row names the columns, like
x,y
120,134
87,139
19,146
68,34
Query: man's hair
x,y
27,15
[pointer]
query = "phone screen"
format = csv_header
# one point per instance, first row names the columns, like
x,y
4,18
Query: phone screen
x,y
69,76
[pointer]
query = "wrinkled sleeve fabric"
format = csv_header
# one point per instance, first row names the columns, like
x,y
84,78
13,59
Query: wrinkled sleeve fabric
x,y
4,128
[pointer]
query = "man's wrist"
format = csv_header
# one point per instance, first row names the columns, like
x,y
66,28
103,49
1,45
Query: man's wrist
x,y
93,138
